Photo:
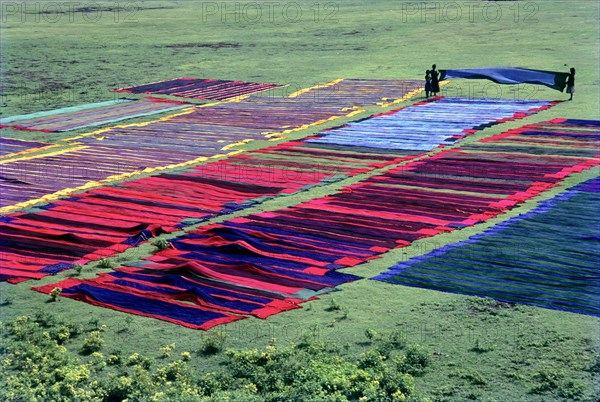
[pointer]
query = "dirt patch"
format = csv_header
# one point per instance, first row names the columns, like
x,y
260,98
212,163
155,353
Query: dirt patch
x,y
219,45
90,9
488,306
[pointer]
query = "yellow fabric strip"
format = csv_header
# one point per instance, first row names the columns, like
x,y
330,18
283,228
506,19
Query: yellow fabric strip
x,y
14,156
404,98
92,184
169,117
62,151
304,90
407,96
281,134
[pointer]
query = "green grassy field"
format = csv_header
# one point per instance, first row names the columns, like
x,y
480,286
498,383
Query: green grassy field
x,y
56,57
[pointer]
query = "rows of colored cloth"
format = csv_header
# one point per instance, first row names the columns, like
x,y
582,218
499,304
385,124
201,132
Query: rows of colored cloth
x,y
433,123
298,249
555,137
9,146
397,135
136,210
90,115
186,299
183,138
102,222
548,257
361,92
205,131
201,88
174,200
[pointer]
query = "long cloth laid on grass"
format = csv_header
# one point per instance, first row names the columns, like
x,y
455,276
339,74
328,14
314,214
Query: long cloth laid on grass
x,y
360,92
182,138
300,248
90,115
510,75
186,137
10,146
201,88
138,209
423,128
204,132
567,137
548,257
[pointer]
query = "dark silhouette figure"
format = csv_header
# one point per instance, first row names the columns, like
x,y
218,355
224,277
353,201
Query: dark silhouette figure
x,y
427,83
571,83
435,80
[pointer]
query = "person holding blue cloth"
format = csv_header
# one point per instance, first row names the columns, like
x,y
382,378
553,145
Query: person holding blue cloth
x,y
571,83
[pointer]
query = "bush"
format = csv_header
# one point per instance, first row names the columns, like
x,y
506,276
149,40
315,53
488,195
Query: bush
x,y
371,359
140,361
554,380
317,372
371,334
213,342
105,263
54,294
174,371
92,343
479,347
473,376
161,244
334,306
114,360
78,268
417,359
166,350
397,339
292,373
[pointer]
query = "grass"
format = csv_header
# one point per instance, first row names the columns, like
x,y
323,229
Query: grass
x,y
479,350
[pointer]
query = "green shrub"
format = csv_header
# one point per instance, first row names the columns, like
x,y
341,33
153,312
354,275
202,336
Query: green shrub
x,y
167,349
371,359
479,347
114,359
417,359
105,263
333,306
213,342
78,268
371,334
174,371
161,244
94,323
397,339
92,343
134,358
317,372
45,319
54,293
555,380
473,376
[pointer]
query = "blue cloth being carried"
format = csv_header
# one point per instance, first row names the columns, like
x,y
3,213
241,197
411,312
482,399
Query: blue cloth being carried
x,y
510,75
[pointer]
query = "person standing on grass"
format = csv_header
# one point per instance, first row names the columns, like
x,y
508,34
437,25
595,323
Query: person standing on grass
x,y
427,83
435,82
571,83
